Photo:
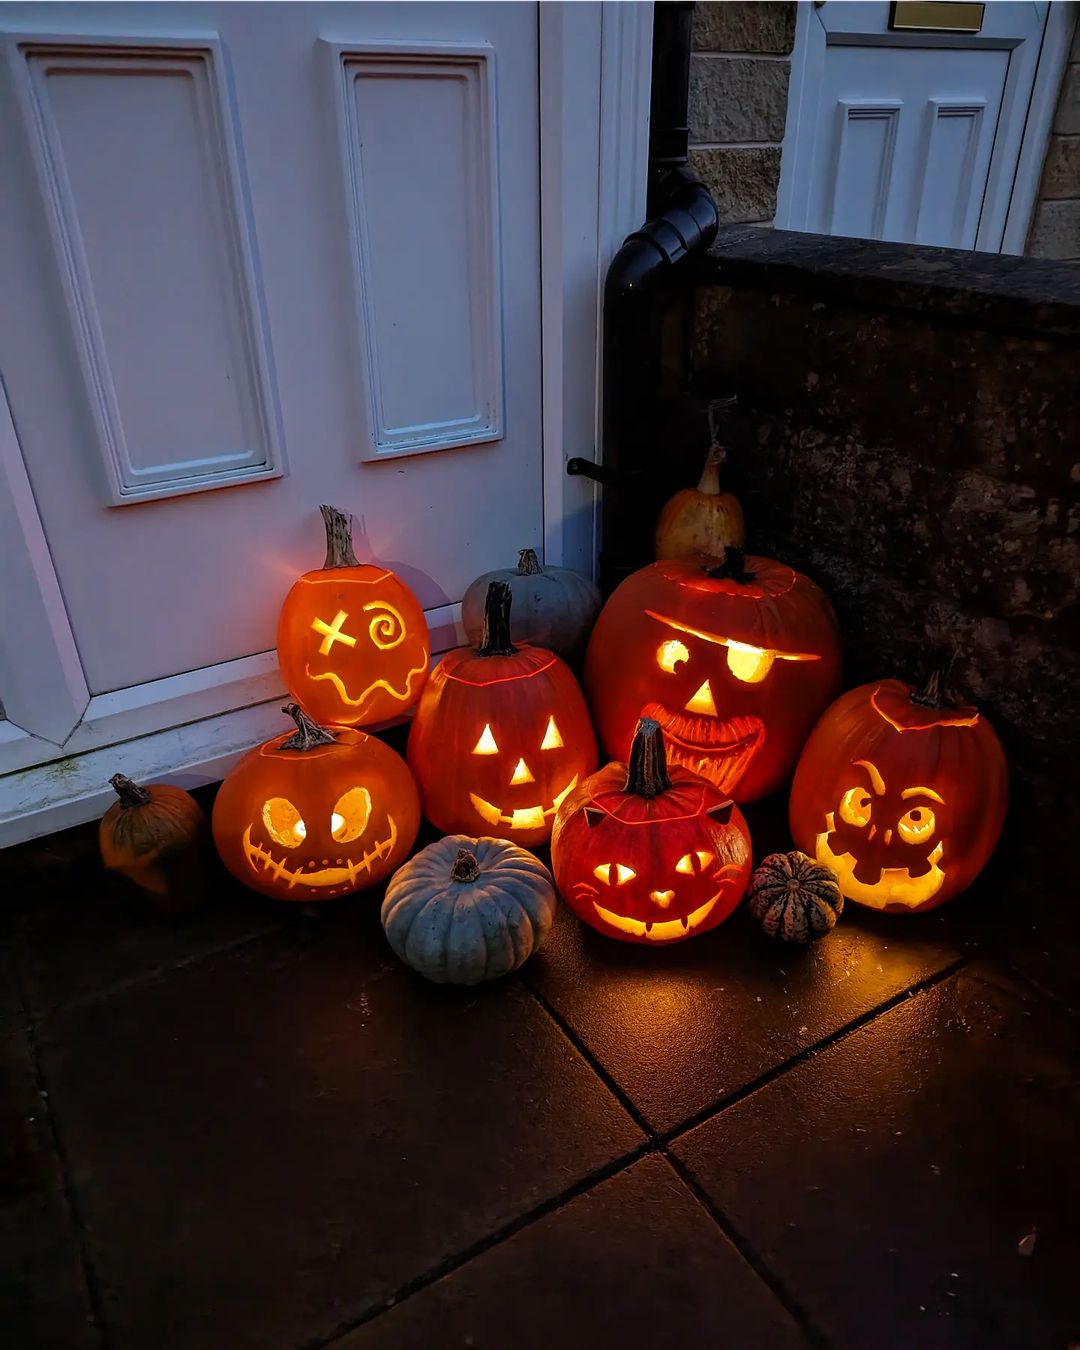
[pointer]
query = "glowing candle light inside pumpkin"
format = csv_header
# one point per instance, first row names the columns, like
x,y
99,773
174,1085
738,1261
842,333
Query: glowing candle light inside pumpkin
x,y
746,663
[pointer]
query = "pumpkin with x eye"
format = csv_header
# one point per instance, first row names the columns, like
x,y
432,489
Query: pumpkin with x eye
x,y
501,735
352,639
902,793
735,660
316,814
647,854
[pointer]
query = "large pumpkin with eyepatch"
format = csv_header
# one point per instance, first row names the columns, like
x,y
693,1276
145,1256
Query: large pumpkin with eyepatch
x,y
352,639
316,814
501,735
649,854
735,660
902,792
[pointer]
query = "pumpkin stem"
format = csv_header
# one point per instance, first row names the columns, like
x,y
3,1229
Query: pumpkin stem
x,y
339,549
465,867
528,563
496,640
733,567
935,690
646,774
709,482
308,734
130,793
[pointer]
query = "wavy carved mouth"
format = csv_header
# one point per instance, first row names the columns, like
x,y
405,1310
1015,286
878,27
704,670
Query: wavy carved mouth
x,y
402,695
325,877
894,887
719,751
525,817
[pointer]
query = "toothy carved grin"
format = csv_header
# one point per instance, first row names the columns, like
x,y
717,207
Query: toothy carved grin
x,y
719,751
402,696
668,930
326,877
526,817
894,887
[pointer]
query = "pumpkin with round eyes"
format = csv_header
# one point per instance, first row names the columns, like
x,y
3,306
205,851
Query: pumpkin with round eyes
x,y
735,661
501,735
352,640
649,854
902,792
316,814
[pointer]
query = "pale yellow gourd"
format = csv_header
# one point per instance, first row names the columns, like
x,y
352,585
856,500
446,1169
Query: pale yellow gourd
x,y
701,522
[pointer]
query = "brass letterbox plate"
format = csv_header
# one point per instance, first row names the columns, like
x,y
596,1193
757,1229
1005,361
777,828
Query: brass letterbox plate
x,y
936,16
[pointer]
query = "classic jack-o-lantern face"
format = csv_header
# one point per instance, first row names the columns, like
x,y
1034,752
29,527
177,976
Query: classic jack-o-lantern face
x,y
647,854
901,794
352,639
735,662
315,815
501,736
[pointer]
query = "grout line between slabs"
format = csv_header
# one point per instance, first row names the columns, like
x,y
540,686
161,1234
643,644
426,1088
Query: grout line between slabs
x,y
493,1239
78,1226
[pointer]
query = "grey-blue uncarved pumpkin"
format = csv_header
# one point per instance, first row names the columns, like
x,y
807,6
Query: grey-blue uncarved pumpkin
x,y
467,910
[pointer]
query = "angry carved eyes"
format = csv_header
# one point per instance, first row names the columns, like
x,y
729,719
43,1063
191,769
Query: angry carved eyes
x,y
348,820
617,874
487,744
915,826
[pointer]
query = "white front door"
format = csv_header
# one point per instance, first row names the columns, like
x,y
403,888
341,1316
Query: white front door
x,y
914,135
256,257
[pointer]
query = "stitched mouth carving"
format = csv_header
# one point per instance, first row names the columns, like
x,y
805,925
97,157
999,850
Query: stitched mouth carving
x,y
344,876
524,818
720,751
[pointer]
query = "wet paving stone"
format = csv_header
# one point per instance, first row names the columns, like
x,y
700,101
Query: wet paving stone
x,y
894,1181
43,1297
635,1261
272,1140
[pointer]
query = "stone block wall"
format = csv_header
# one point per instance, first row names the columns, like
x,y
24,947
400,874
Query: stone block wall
x,y
739,73
1055,225
907,435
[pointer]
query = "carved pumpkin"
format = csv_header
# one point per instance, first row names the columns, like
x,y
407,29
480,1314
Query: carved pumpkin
x,y
466,910
501,736
316,814
902,793
157,837
553,607
647,854
352,639
702,521
736,662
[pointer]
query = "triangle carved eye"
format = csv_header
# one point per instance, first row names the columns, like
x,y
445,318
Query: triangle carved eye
x,y
486,745
552,740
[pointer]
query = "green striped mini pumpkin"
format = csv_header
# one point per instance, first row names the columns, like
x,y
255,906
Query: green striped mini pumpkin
x,y
795,898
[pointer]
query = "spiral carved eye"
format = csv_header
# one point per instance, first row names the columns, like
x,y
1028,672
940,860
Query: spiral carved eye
x,y
856,806
670,654
387,627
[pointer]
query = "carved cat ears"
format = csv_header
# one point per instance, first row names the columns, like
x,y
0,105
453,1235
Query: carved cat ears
x,y
721,813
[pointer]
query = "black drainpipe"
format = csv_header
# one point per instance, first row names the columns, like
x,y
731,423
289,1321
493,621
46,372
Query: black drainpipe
x,y
682,221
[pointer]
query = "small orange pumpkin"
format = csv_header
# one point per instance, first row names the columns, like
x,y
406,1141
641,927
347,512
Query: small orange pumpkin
x,y
352,639
156,836
501,735
316,814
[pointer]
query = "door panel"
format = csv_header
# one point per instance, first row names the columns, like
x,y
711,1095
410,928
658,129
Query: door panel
x,y
251,268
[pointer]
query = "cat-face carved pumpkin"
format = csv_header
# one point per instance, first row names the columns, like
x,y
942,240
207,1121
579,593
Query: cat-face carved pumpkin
x,y
735,662
647,854
501,736
315,815
902,794
352,641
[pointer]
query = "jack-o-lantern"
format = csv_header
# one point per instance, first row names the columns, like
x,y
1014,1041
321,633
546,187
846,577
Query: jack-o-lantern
x,y
501,735
735,661
648,854
902,793
352,640
316,814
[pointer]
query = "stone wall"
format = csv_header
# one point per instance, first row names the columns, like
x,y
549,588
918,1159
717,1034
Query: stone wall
x,y
1055,225
738,103
908,436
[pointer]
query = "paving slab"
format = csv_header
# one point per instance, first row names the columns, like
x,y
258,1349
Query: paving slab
x,y
272,1140
635,1261
894,1182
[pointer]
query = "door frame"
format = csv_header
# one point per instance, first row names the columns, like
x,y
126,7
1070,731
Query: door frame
x,y
1010,199
59,744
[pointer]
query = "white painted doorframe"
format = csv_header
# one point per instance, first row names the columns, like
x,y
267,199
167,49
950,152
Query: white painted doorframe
x,y
1011,200
58,745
